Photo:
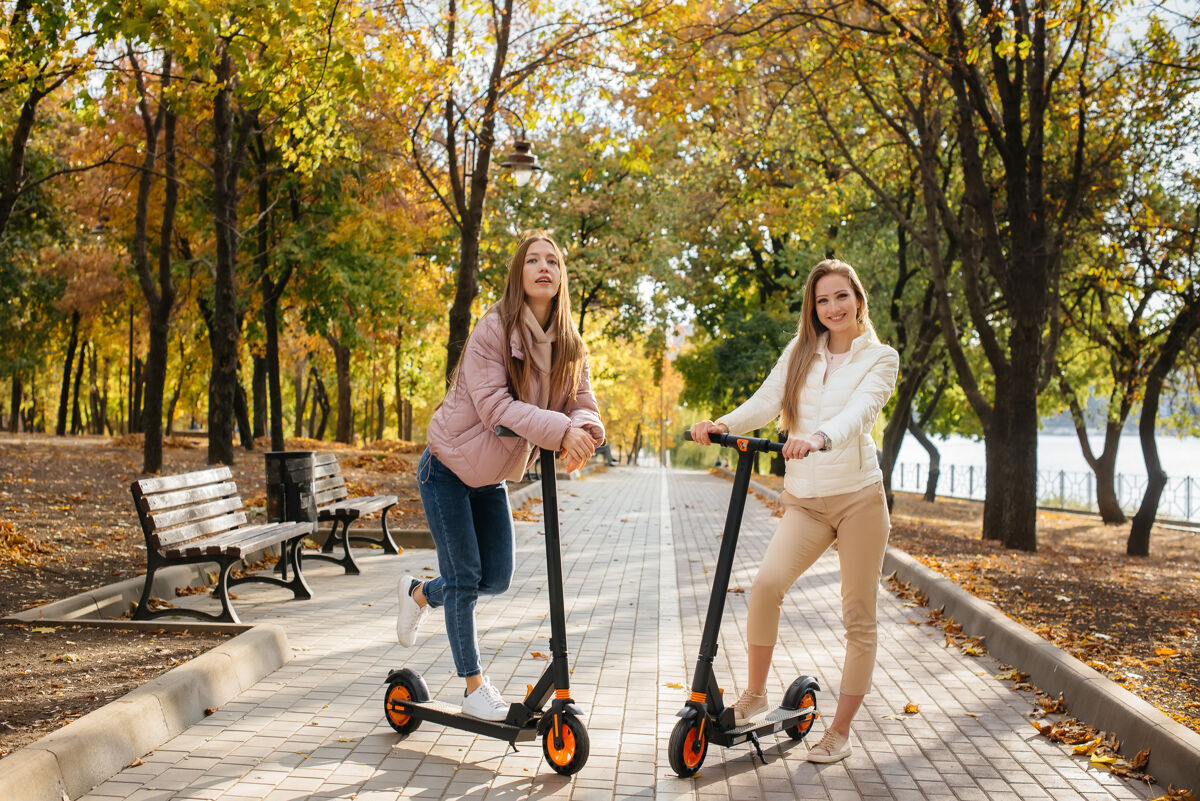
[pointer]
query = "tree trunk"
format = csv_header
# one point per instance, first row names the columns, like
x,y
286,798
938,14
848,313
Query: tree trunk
x,y
64,398
242,411
935,459
1183,327
345,419
76,417
1105,469
223,331
258,392
321,401
301,390
380,414
136,404
466,289
14,420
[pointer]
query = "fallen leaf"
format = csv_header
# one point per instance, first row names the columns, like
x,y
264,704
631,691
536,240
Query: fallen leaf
x,y
910,708
44,629
538,655
674,685
1141,759
1165,652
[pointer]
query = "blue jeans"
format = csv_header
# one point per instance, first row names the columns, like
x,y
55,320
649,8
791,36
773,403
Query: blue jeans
x,y
473,530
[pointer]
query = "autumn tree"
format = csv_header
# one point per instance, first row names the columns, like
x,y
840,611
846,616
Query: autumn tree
x,y
486,66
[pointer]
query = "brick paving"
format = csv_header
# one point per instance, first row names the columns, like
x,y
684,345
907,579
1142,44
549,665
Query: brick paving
x,y
638,545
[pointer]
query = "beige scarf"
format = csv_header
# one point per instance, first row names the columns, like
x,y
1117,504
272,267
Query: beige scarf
x,y
537,347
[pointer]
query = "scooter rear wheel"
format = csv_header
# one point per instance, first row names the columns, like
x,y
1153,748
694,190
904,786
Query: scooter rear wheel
x,y
401,689
573,754
807,702
688,747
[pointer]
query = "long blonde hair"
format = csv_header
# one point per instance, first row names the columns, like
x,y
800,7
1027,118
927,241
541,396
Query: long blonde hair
x,y
569,352
809,330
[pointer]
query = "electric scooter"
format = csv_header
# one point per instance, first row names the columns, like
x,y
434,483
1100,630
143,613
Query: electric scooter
x,y
705,719
565,742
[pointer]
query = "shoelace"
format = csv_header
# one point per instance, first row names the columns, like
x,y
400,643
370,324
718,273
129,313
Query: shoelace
x,y
492,696
829,741
746,700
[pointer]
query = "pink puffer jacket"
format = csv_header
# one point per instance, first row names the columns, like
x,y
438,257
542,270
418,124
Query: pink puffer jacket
x,y
462,432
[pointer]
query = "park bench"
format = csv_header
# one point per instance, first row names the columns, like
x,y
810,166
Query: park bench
x,y
198,517
334,504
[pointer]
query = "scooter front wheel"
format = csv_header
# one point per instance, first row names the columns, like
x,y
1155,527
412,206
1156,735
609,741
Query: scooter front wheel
x,y
688,746
565,744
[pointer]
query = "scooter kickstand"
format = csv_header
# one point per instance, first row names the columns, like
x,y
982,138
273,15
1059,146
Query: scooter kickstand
x,y
757,747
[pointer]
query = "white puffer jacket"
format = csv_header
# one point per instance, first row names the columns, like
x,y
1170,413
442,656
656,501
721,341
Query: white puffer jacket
x,y
844,408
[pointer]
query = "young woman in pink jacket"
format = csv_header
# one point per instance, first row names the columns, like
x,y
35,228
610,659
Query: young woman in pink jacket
x,y
524,367
828,387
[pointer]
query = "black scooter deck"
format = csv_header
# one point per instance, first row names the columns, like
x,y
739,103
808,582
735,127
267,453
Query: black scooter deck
x,y
450,715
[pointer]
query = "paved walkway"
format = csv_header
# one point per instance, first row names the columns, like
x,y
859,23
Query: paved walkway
x,y
638,548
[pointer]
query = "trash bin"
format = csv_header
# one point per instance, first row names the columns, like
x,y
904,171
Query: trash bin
x,y
290,486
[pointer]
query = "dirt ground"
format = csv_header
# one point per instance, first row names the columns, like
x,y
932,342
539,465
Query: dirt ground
x,y
67,524
1134,619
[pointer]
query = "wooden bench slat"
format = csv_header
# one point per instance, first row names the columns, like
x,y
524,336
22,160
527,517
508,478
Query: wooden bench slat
x,y
242,541
167,500
187,514
329,482
327,498
173,536
363,505
325,470
183,480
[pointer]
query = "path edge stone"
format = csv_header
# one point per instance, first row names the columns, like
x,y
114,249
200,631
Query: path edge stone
x,y
70,762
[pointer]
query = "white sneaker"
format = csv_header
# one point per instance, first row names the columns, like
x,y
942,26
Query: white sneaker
x,y
485,703
410,614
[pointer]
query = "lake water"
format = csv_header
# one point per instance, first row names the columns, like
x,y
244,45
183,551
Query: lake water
x,y
1180,456
1064,478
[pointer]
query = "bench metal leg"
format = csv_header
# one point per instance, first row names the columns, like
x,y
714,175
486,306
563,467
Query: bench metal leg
x,y
297,583
346,560
386,542
221,593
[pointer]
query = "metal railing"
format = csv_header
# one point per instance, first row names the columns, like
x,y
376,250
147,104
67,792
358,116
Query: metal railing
x,y
1058,489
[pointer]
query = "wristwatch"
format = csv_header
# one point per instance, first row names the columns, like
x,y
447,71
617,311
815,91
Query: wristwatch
x,y
825,437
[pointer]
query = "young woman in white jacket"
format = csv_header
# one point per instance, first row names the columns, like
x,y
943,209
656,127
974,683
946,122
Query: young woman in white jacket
x,y
827,389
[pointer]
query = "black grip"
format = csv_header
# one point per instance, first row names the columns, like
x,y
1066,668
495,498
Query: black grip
x,y
741,443
505,431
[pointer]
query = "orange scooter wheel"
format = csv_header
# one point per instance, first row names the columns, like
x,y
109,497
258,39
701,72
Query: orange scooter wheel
x,y
570,753
807,704
688,747
395,710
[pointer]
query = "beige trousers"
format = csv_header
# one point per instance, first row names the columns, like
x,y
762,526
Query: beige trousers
x,y
859,522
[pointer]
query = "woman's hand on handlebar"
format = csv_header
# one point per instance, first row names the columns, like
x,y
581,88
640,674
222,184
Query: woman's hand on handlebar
x,y
799,447
702,430
577,447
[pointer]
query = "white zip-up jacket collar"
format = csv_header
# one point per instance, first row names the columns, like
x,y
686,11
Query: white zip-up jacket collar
x,y
844,407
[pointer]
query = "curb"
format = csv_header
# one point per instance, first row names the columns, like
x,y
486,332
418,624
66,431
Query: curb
x,y
69,762
1090,696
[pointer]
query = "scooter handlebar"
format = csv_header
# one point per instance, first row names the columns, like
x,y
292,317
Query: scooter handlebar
x,y
741,443
505,431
